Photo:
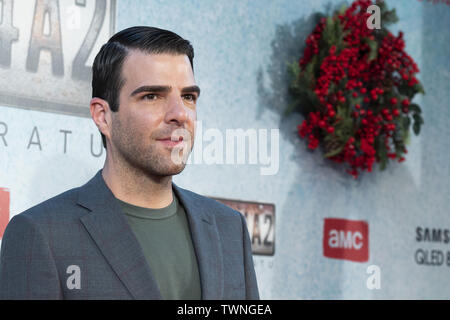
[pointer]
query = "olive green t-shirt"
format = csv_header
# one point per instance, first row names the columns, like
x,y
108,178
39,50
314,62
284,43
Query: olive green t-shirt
x,y
167,245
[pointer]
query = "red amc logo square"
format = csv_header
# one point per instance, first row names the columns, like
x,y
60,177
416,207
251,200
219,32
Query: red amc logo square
x,y
346,239
4,210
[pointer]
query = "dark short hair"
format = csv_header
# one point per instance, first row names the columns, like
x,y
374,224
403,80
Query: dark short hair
x,y
107,80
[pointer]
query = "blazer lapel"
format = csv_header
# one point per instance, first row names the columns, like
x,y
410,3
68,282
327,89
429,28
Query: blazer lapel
x,y
207,244
108,227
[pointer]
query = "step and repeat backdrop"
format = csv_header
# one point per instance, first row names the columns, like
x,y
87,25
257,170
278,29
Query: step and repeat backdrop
x,y
316,232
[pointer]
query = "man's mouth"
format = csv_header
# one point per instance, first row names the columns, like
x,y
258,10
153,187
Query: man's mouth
x,y
171,141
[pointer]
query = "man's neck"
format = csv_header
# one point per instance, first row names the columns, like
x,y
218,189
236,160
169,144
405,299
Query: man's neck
x,y
134,187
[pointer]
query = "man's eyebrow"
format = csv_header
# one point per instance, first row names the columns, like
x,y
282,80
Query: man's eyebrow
x,y
195,89
164,89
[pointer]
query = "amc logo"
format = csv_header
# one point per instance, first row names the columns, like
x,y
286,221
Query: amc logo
x,y
4,210
346,239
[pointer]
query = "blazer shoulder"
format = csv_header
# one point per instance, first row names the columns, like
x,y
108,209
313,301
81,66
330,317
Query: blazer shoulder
x,y
59,205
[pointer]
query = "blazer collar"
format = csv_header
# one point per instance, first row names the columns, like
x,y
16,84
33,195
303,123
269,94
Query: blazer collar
x,y
111,232
107,225
206,241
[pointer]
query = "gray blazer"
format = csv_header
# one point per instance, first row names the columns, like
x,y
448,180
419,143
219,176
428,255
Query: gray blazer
x,y
86,228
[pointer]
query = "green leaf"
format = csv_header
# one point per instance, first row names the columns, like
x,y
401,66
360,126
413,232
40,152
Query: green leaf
x,y
405,123
407,137
407,91
418,118
381,152
373,45
418,121
418,87
344,129
383,161
398,144
334,152
345,113
329,23
416,128
340,111
293,69
332,34
387,16
415,107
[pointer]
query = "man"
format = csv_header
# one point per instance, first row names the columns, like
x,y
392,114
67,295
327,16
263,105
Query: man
x,y
130,233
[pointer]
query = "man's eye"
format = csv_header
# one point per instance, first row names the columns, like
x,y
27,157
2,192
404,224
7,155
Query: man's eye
x,y
190,97
150,96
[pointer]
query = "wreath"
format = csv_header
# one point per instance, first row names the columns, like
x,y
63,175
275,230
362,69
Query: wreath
x,y
354,86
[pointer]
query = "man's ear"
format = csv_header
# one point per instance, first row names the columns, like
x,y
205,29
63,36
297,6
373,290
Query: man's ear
x,y
101,114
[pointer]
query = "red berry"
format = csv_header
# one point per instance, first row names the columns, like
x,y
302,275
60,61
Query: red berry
x,y
405,102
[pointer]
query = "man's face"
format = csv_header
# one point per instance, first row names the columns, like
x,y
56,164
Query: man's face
x,y
158,97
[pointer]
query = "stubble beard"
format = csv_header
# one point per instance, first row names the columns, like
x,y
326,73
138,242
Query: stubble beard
x,y
153,161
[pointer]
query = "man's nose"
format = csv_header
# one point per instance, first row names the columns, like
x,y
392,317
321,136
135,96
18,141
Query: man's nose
x,y
176,111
